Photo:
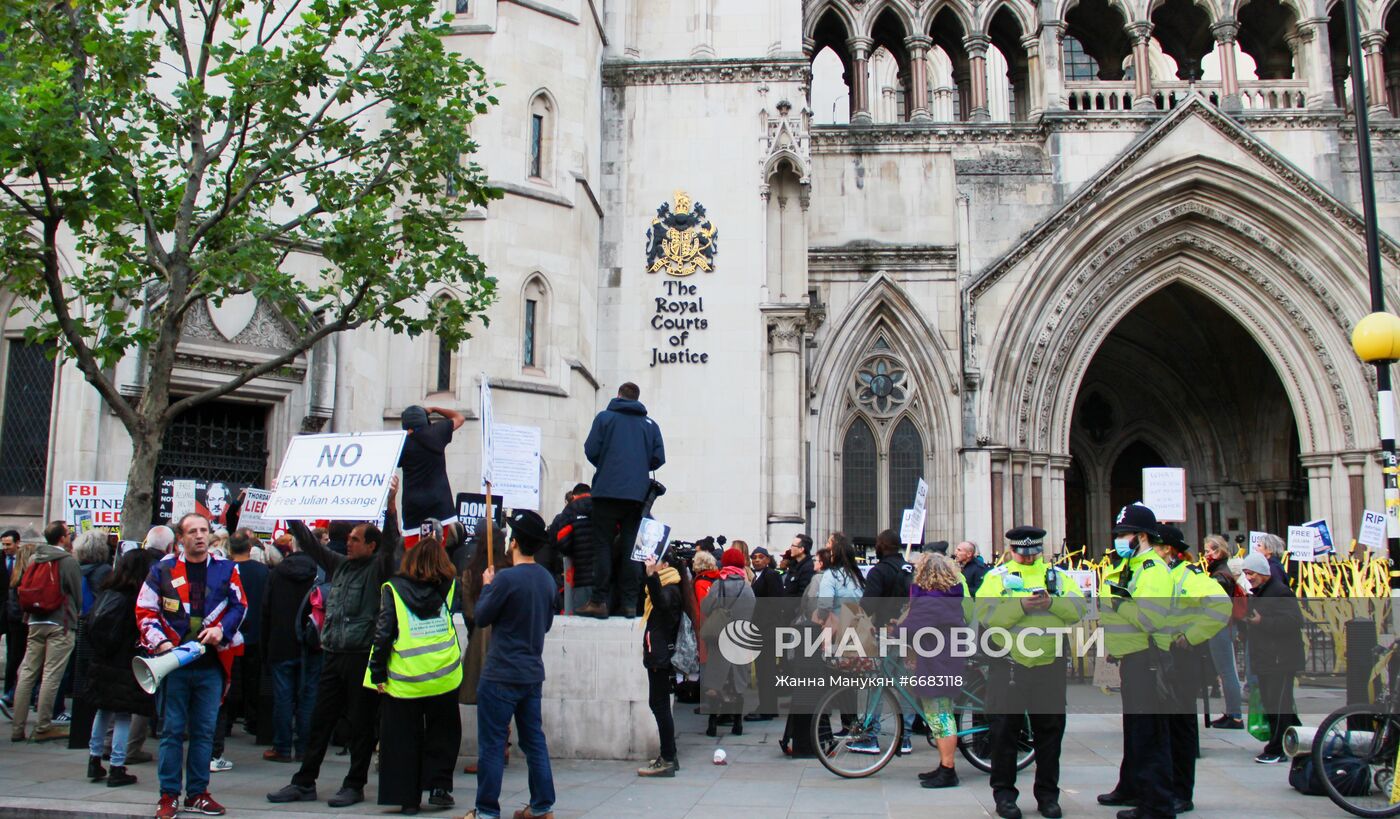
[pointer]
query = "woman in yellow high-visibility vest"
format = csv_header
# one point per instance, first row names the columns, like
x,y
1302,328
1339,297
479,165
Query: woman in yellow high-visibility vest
x,y
417,663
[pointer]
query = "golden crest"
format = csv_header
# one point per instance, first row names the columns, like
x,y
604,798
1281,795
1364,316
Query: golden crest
x,y
682,241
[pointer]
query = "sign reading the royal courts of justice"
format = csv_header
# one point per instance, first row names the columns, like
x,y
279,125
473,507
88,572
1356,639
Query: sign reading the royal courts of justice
x,y
680,243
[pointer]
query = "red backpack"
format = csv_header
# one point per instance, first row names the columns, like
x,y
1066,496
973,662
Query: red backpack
x,y
40,591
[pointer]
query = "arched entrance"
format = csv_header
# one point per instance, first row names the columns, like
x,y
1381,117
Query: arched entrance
x,y
1180,382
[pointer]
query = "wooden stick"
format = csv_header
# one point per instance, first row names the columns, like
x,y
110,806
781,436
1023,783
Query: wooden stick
x,y
490,530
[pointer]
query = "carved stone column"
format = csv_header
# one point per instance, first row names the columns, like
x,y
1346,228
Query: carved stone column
x,y
1319,472
1225,33
1035,93
1052,77
917,104
1312,61
1057,523
860,82
1142,67
786,510
977,46
1373,43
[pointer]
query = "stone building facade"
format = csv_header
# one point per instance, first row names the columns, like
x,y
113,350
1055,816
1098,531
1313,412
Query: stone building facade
x,y
969,242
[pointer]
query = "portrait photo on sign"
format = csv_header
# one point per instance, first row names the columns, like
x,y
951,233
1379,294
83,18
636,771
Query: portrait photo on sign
x,y
652,539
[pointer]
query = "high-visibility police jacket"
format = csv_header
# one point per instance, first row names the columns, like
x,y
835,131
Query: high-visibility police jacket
x,y
1130,622
425,659
999,607
1200,607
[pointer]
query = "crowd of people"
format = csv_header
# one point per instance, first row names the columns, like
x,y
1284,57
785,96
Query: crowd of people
x,y
346,635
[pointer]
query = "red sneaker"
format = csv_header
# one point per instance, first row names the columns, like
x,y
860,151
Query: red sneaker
x,y
205,804
169,806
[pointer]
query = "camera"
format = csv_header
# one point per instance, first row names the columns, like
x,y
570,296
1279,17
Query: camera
x,y
680,552
655,489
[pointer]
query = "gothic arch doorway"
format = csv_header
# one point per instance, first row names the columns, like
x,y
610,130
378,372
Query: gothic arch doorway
x,y
1181,382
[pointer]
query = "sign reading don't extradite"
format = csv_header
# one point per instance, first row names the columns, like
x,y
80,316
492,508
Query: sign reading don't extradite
x,y
335,477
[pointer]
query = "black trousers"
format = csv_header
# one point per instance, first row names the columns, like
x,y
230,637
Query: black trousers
x,y
659,685
341,693
1147,736
617,578
1016,693
16,636
1276,695
766,672
418,744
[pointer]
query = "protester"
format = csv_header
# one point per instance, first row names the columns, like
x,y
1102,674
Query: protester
x,y
338,536
50,595
295,664
518,604
1276,652
936,596
426,491
841,580
663,614
798,575
478,637
625,445
1222,645
1272,548
206,605
352,608
974,568
245,683
574,537
111,687
883,599
706,570
94,558
724,683
767,585
11,619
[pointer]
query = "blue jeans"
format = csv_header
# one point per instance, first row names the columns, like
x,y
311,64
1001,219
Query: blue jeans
x,y
121,729
294,685
1222,652
496,703
189,707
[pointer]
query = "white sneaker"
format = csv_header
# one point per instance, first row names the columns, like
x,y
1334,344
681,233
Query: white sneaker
x,y
63,719
218,765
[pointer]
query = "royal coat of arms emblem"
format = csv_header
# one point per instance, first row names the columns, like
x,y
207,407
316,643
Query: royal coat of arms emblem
x,y
681,241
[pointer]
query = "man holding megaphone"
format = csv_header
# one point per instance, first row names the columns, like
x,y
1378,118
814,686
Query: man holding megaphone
x,y
188,613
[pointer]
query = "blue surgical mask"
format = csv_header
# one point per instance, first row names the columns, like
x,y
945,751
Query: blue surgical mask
x,y
1123,546
1013,582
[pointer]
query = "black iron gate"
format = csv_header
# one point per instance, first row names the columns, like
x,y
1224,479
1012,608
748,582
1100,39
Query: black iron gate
x,y
216,442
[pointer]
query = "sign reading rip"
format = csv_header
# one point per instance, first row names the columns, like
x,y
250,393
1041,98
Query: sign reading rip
x,y
335,477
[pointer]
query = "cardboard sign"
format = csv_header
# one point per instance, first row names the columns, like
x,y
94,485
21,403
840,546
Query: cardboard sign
x,y
1164,492
488,450
911,527
921,497
99,502
653,537
517,466
252,514
1303,543
336,477
1372,534
471,512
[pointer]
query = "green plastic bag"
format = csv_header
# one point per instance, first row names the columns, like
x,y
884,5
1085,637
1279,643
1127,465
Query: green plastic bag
x,y
1256,722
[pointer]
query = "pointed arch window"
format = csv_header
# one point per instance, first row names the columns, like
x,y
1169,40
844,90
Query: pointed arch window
x,y
441,360
859,481
533,324
906,465
541,137
27,411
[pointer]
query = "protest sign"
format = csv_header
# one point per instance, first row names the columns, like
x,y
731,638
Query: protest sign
x,y
488,450
653,537
101,500
251,515
1254,540
516,467
1372,534
921,496
1303,543
471,512
911,527
1324,532
336,477
1088,582
212,499
1164,492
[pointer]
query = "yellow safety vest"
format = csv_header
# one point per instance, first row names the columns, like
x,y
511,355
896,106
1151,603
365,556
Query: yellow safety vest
x,y
425,659
1129,623
1200,607
1000,608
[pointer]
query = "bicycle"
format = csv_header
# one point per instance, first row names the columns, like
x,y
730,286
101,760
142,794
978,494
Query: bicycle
x,y
875,714
1355,752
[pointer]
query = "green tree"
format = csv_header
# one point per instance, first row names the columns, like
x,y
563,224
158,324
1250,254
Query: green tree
x,y
187,148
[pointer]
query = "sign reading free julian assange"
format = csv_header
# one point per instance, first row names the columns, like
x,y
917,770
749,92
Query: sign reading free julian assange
x,y
335,477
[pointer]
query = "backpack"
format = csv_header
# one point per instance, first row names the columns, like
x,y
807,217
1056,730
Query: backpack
x,y
89,597
311,614
40,591
1350,775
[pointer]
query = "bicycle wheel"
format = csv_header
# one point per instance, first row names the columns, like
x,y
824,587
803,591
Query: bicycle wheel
x,y
857,732
974,740
1354,750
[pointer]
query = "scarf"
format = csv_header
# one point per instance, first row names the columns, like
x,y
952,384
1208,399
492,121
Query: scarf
x,y
668,577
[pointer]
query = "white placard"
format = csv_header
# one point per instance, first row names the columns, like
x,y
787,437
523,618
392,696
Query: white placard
x,y
1372,534
1255,538
653,537
1164,492
1303,542
488,449
921,497
252,516
96,501
911,527
336,477
516,466
1088,582
181,498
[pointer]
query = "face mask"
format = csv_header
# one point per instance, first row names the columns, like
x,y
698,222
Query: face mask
x,y
1123,546
1013,582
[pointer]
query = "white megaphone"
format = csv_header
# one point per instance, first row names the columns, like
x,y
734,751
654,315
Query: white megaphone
x,y
150,671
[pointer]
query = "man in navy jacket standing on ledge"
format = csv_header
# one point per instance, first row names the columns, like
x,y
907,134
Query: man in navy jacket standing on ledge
x,y
625,446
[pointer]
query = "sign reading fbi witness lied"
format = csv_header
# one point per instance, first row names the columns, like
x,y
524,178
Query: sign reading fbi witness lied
x,y
336,477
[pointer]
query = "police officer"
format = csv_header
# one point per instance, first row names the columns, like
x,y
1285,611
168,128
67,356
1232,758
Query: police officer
x,y
1135,603
1017,604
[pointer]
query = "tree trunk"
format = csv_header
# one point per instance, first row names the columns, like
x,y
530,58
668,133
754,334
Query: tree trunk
x,y
138,510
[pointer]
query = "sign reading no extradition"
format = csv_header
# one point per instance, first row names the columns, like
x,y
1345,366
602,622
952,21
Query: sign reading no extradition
x,y
335,477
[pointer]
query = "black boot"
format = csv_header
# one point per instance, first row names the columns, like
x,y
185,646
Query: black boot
x,y
712,727
738,728
95,769
120,777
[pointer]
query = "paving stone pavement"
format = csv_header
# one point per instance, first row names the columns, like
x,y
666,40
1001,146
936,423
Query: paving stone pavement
x,y
42,780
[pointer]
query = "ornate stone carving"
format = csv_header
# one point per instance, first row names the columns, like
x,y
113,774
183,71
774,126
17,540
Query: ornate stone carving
x,y
690,72
867,259
787,137
785,333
